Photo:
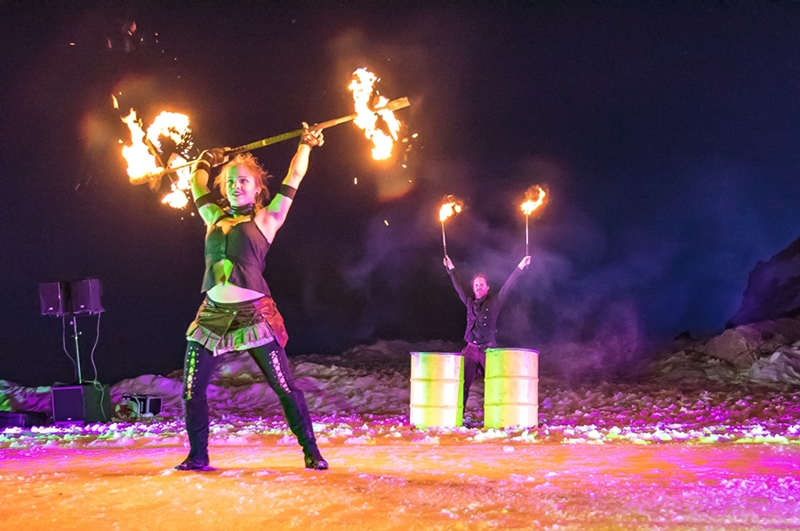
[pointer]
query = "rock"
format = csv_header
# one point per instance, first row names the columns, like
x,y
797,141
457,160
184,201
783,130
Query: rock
x,y
743,345
32,399
722,371
773,289
781,332
238,366
736,346
783,366
685,374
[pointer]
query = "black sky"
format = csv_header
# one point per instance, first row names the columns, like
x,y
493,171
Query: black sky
x,y
668,137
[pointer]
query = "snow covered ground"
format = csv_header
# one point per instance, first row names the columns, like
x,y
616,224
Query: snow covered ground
x,y
405,483
607,456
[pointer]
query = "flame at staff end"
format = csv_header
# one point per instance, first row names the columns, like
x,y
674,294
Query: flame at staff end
x,y
140,160
366,99
534,198
173,125
176,198
451,206
142,155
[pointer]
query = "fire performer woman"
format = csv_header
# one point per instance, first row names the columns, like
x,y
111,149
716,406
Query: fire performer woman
x,y
238,312
483,308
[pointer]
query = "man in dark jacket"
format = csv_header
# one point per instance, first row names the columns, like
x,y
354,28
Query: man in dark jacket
x,y
483,308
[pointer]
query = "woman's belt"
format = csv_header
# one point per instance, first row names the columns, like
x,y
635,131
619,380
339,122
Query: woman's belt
x,y
225,327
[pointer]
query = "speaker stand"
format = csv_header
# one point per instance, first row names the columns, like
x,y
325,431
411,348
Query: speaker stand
x,y
77,348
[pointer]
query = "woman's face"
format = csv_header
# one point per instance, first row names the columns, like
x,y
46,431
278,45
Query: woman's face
x,y
241,186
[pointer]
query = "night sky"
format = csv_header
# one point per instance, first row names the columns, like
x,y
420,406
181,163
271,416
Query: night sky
x,y
667,136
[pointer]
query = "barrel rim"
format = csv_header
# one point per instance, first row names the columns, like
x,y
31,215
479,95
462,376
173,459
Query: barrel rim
x,y
495,349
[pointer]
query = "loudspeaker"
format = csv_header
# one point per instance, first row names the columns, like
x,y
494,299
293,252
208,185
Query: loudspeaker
x,y
77,297
24,419
53,298
80,404
85,296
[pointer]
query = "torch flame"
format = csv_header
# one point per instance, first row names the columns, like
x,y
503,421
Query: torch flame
x,y
140,160
453,206
169,124
176,199
142,154
366,100
531,204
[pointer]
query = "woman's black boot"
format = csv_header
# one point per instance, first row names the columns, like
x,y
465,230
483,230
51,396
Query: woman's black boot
x,y
197,431
299,419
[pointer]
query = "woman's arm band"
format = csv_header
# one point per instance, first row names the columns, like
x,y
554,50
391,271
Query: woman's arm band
x,y
202,164
287,191
203,200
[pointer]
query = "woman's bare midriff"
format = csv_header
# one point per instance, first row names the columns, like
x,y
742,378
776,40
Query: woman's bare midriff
x,y
224,291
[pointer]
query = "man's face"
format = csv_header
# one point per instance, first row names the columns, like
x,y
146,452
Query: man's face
x,y
480,287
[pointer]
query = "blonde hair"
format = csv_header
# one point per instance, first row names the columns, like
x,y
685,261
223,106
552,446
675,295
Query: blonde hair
x,y
248,161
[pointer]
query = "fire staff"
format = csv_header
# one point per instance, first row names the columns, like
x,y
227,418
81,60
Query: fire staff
x,y
238,312
483,308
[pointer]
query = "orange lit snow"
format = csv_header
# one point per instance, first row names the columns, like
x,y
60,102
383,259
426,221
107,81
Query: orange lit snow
x,y
437,479
605,457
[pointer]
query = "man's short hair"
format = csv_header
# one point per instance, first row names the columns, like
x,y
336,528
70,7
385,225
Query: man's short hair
x,y
479,275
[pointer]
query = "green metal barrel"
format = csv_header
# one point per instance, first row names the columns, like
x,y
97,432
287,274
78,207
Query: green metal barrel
x,y
511,388
437,389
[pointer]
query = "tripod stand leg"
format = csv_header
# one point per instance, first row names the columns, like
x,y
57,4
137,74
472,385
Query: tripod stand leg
x,y
77,349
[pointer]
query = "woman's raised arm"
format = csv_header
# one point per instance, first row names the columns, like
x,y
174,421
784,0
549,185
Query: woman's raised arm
x,y
208,209
271,218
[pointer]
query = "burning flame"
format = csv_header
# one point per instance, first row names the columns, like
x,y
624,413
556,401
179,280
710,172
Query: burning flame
x,y
452,206
176,198
143,155
169,124
140,160
531,204
366,100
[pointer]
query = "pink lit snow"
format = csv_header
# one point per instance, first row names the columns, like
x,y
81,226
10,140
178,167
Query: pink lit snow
x,y
603,457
